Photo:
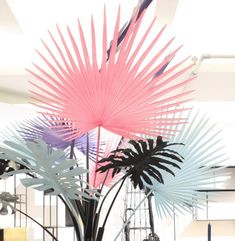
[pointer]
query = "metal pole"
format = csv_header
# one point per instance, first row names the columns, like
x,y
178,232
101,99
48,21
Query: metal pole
x,y
43,215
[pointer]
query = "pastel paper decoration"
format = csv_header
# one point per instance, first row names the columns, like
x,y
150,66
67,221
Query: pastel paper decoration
x,y
44,128
121,95
54,171
143,160
203,150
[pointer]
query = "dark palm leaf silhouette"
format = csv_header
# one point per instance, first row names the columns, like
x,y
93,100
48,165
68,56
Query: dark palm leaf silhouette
x,y
146,158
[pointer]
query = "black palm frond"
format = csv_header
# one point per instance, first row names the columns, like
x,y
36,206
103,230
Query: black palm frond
x,y
142,160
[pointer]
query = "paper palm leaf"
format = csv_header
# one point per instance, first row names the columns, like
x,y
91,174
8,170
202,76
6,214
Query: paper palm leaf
x,y
44,128
202,151
51,167
146,158
122,95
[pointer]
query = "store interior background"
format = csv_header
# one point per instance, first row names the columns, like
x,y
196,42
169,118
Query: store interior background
x,y
204,27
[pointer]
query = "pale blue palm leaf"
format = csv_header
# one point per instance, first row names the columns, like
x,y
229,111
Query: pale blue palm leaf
x,y
52,169
203,150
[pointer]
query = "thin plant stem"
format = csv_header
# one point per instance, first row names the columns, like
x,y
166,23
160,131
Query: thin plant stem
x,y
73,219
87,204
110,189
101,189
97,154
75,215
132,214
72,149
78,203
105,178
114,199
54,238
69,204
76,224
90,224
101,229
97,215
87,158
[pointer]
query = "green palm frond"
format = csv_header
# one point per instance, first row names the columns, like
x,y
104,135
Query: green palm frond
x,y
51,168
142,160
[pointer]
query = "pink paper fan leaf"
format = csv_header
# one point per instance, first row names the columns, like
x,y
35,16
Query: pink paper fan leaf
x,y
122,95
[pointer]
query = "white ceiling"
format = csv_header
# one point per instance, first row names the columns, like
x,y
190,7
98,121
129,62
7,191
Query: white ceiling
x,y
204,27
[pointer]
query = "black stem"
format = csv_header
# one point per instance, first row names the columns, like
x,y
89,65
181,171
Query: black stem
x,y
110,189
97,215
90,229
110,207
151,220
123,33
105,178
87,158
101,229
77,202
72,149
54,238
86,204
89,205
75,224
80,209
71,214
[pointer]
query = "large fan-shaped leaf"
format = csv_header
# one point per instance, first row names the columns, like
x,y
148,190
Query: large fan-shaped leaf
x,y
44,128
203,150
52,169
122,95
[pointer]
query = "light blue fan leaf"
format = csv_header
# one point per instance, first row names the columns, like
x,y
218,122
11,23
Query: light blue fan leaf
x,y
203,150
53,171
